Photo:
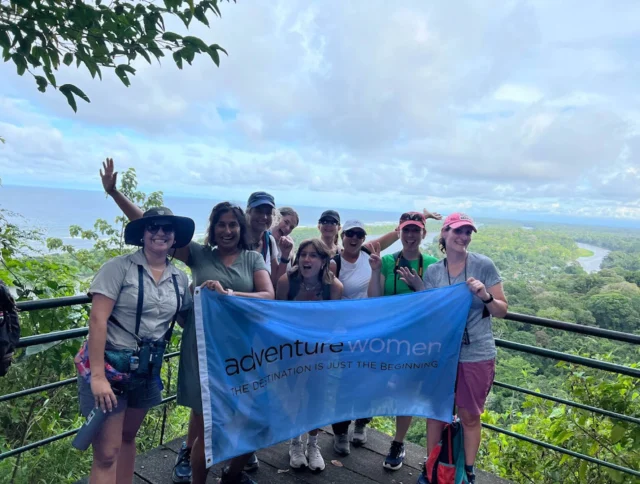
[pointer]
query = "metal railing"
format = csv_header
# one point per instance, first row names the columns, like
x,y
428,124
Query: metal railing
x,y
534,350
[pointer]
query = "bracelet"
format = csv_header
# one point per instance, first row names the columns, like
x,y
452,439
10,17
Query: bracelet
x,y
488,300
229,292
284,261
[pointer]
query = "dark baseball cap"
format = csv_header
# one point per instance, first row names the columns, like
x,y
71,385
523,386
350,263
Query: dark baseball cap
x,y
260,198
330,214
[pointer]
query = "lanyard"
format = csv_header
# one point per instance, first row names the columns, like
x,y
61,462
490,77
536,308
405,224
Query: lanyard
x,y
447,268
395,271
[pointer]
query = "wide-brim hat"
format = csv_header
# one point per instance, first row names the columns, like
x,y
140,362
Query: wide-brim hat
x,y
184,227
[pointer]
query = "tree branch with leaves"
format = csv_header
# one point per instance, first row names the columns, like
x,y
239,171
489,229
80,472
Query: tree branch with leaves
x,y
38,36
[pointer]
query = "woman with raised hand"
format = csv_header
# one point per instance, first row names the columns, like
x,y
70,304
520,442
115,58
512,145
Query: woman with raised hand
x,y
224,263
136,300
386,280
476,368
309,280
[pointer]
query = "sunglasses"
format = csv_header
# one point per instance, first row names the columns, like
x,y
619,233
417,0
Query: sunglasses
x,y
166,228
417,217
328,221
355,233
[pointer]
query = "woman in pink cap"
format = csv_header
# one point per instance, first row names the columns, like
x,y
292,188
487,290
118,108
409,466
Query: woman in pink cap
x,y
476,367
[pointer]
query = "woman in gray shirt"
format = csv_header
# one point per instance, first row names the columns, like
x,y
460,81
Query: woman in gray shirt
x,y
135,298
476,367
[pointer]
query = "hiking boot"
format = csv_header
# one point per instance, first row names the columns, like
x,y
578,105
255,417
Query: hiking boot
x,y
359,436
341,444
297,459
395,457
253,463
182,468
243,478
471,477
316,462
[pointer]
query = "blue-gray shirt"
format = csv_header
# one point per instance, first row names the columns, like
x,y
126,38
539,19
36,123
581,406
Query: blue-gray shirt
x,y
478,344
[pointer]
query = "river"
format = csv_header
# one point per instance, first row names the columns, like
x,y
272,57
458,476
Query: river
x,y
592,263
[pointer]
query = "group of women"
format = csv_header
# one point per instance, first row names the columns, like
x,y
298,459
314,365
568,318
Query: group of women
x,y
137,298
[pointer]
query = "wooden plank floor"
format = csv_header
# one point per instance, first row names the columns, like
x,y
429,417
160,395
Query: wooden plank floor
x,y
364,465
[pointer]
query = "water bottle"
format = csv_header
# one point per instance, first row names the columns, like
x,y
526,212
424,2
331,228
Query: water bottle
x,y
89,429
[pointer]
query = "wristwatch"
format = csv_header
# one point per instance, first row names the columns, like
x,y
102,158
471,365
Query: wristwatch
x,y
488,300
229,292
284,261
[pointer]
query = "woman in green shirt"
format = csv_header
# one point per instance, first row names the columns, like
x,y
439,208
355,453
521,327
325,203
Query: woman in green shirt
x,y
386,280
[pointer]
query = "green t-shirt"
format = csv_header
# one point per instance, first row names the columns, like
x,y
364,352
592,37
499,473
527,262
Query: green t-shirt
x,y
388,266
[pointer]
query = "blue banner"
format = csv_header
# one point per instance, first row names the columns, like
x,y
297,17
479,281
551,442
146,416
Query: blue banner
x,y
272,370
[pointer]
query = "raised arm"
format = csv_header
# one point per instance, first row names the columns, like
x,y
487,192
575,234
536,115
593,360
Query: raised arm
x,y
109,180
384,241
130,209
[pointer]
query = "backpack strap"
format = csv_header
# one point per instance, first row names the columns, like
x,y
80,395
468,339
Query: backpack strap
x,y
365,250
326,292
338,260
140,298
266,245
112,318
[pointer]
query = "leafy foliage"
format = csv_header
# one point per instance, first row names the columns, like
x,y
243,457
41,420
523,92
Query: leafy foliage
x,y
37,275
542,279
40,35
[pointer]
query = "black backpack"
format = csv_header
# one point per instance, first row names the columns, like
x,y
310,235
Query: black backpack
x,y
338,260
9,328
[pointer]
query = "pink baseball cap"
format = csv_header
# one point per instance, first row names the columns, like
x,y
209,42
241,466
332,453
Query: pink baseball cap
x,y
459,219
412,218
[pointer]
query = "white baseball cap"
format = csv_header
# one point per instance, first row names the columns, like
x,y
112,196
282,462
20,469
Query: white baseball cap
x,y
353,224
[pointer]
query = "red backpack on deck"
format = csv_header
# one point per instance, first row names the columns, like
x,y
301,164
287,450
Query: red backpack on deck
x,y
445,464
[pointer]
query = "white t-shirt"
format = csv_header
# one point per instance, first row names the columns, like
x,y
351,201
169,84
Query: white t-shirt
x,y
355,277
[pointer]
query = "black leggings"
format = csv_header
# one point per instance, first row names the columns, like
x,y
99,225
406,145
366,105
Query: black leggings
x,y
343,427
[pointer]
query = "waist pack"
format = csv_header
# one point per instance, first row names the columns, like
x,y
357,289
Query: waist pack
x,y
445,463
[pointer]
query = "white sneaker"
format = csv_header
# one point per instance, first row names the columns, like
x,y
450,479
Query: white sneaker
x,y
297,459
316,462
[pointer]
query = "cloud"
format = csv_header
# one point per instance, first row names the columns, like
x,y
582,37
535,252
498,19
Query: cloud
x,y
524,106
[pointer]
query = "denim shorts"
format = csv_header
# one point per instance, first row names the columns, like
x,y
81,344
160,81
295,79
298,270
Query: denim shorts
x,y
143,393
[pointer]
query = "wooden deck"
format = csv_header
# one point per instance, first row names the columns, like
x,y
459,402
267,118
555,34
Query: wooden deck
x,y
364,465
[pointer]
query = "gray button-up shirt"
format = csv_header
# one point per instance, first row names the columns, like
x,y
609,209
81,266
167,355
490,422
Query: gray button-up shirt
x,y
117,279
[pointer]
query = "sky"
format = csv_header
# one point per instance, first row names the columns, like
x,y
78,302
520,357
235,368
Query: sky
x,y
523,107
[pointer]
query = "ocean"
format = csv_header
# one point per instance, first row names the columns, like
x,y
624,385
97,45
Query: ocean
x,y
54,210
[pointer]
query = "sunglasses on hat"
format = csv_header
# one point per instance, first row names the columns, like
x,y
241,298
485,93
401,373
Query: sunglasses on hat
x,y
418,217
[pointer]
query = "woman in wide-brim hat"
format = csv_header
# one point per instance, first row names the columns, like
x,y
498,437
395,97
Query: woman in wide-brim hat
x,y
118,323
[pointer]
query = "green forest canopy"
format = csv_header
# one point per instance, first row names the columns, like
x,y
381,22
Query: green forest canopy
x,y
542,278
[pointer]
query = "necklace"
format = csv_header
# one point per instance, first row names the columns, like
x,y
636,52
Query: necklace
x,y
310,288
157,270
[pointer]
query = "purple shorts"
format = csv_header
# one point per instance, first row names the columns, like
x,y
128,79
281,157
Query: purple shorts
x,y
474,383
